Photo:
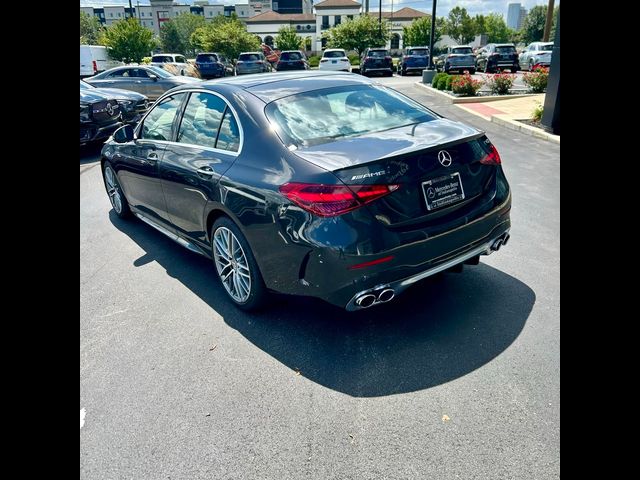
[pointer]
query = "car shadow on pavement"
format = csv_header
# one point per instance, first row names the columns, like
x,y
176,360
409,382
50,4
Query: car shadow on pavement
x,y
439,330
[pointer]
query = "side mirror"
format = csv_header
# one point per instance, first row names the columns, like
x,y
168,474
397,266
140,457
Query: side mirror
x,y
123,134
153,77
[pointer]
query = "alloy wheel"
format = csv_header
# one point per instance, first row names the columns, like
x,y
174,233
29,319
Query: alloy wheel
x,y
113,190
232,265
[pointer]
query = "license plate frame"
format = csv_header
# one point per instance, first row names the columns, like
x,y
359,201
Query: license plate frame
x,y
443,191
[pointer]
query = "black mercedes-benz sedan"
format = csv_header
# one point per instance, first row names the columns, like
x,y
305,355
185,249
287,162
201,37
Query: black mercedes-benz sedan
x,y
311,183
100,116
132,104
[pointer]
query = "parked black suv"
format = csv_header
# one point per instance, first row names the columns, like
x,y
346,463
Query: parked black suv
x,y
213,65
414,59
376,60
100,116
497,56
292,60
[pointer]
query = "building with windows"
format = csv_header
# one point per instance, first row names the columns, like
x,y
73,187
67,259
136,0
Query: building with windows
x,y
515,15
265,17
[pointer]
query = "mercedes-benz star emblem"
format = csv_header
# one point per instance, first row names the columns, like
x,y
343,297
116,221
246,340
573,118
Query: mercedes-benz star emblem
x,y
109,109
431,193
444,158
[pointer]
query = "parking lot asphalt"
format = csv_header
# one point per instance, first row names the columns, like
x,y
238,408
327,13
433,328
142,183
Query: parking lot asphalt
x,y
456,378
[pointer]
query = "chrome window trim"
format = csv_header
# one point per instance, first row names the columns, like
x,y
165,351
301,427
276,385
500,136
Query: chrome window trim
x,y
210,149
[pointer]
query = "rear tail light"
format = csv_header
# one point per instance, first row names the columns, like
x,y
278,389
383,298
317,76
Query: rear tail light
x,y
491,158
95,66
333,200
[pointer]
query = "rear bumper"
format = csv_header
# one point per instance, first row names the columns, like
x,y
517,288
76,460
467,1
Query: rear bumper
x,y
335,67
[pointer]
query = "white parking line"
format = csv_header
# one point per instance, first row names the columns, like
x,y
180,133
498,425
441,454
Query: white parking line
x,y
83,413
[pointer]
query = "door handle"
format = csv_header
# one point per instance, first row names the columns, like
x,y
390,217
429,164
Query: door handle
x,y
205,171
152,157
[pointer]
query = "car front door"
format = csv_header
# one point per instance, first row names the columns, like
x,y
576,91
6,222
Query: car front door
x,y
138,162
206,145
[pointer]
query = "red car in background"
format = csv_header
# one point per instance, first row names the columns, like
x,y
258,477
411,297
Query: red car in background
x,y
272,56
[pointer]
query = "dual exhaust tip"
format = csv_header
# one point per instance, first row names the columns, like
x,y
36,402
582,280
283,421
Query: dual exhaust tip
x,y
500,242
381,296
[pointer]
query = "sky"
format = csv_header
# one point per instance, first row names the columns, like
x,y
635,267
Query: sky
x,y
442,8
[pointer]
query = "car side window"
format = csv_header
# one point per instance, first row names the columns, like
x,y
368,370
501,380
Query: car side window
x,y
201,120
118,73
180,59
229,134
158,123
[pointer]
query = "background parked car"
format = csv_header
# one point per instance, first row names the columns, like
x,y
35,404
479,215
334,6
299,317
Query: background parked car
x,y
335,59
179,61
95,59
252,62
458,58
148,80
414,59
495,56
100,115
213,65
376,60
132,104
292,60
536,54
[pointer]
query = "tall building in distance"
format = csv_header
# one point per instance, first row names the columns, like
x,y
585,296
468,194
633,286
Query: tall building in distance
x,y
515,15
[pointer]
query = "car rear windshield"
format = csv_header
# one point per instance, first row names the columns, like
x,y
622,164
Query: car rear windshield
x,y
291,56
161,59
422,52
334,54
322,116
249,57
206,58
507,49
378,53
85,85
546,46
464,51
161,72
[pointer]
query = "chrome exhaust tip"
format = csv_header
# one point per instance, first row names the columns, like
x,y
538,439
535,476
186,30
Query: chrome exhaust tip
x,y
496,245
506,239
386,295
365,301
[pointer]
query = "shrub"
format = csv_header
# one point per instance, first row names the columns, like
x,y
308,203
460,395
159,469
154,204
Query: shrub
x,y
354,58
442,82
434,80
314,60
500,83
537,80
449,82
146,60
536,116
465,85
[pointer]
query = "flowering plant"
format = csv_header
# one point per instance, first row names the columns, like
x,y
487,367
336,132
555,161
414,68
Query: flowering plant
x,y
500,83
537,80
465,85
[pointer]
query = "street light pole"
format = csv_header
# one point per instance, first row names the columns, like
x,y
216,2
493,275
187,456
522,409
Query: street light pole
x,y
433,33
130,10
547,24
380,18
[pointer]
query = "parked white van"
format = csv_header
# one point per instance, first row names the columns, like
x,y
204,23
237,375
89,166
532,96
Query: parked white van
x,y
94,59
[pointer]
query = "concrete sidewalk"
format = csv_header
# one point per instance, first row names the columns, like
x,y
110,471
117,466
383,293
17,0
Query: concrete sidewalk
x,y
507,113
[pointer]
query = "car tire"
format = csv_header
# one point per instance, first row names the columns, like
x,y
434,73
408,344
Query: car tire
x,y
114,191
516,67
243,283
486,68
472,71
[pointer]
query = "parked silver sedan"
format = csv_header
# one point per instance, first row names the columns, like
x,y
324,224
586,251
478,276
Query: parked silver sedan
x,y
148,80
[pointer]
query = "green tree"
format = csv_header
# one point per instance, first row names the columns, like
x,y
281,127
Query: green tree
x,y
128,41
533,25
418,32
358,34
90,29
170,38
288,39
228,36
479,24
552,34
460,26
496,29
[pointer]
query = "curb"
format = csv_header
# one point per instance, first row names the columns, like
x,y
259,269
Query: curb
x,y
487,98
505,121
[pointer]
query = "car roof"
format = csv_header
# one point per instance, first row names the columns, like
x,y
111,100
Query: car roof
x,y
461,46
248,53
333,49
290,51
273,86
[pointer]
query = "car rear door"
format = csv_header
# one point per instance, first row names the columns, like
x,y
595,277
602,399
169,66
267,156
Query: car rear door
x,y
206,145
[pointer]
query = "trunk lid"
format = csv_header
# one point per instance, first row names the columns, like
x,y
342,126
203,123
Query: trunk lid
x,y
411,157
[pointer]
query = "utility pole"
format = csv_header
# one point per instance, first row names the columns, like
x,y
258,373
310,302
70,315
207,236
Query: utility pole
x,y
433,34
551,113
366,6
380,18
130,10
549,21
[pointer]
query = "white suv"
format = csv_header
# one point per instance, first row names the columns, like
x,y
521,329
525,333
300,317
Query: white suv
x,y
335,59
162,59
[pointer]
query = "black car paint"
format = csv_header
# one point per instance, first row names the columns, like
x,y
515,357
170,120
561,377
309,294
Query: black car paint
x,y
489,60
297,252
100,124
